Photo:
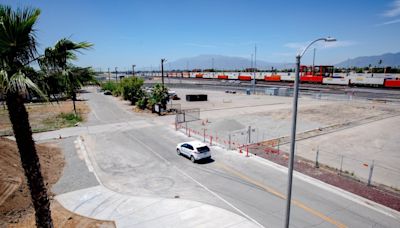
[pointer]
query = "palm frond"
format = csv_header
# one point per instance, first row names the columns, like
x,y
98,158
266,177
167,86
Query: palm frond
x,y
3,81
19,83
17,35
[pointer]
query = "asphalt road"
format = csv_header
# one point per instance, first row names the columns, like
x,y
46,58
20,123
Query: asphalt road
x,y
141,160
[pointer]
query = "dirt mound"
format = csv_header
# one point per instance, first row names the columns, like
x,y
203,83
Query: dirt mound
x,y
15,201
16,208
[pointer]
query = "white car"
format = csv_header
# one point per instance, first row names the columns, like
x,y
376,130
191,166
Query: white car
x,y
194,150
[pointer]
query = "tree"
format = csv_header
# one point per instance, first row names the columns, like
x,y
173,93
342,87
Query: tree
x,y
75,78
159,95
131,89
17,50
56,61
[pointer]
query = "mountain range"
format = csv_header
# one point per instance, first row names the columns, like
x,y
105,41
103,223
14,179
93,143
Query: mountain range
x,y
221,62
388,59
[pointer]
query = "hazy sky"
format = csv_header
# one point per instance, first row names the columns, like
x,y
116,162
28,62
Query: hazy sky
x,y
142,32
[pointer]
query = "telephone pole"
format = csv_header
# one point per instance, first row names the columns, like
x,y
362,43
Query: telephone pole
x,y
162,71
133,70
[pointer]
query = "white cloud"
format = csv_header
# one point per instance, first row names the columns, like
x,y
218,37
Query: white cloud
x,y
394,11
390,22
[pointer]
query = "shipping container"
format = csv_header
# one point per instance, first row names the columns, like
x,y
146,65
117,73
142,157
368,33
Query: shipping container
x,y
367,81
336,81
245,77
393,83
272,78
312,79
288,78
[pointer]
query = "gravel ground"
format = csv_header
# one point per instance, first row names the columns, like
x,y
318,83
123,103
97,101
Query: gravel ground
x,y
377,194
76,175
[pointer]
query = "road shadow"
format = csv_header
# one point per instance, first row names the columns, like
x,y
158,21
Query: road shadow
x,y
205,161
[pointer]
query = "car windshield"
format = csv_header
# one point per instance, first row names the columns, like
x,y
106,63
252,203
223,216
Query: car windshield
x,y
203,149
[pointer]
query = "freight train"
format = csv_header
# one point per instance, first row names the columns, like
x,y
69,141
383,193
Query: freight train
x,y
308,74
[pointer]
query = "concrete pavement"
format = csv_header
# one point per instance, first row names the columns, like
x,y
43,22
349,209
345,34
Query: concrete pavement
x,y
141,162
130,211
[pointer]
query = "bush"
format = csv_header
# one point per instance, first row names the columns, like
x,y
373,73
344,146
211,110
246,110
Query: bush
x,y
131,89
160,94
112,86
142,103
71,118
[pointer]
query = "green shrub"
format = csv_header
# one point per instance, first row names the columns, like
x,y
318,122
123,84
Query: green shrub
x,y
111,86
142,103
160,94
71,118
131,89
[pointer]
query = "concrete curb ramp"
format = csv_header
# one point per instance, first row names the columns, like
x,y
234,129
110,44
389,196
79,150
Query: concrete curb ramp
x,y
131,211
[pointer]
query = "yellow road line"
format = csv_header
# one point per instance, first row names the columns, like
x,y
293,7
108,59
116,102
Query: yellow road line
x,y
282,196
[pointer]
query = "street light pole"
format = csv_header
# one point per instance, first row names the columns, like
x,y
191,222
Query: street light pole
x,y
162,71
116,78
133,70
293,131
313,63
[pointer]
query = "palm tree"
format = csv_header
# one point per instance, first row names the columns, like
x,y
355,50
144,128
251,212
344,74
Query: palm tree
x,y
56,60
17,50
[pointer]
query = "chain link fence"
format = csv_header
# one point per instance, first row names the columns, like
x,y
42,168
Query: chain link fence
x,y
253,140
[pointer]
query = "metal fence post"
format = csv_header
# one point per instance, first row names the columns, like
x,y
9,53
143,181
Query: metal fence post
x,y
249,134
316,158
371,170
279,142
176,122
229,142
341,164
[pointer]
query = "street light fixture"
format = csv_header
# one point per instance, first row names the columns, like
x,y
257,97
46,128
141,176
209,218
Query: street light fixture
x,y
294,120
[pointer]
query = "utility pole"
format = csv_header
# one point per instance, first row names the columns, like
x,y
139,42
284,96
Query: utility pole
x,y
212,65
109,75
116,77
133,70
162,71
255,69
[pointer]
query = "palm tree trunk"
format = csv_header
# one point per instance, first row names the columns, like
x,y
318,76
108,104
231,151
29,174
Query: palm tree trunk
x,y
73,101
29,159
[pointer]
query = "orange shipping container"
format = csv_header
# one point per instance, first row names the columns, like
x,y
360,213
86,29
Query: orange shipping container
x,y
244,78
222,76
272,78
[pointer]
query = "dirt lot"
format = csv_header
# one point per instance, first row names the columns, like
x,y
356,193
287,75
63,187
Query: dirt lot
x,y
16,209
358,130
45,116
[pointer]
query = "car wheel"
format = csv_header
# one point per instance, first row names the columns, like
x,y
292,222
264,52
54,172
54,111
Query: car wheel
x,y
192,159
178,152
